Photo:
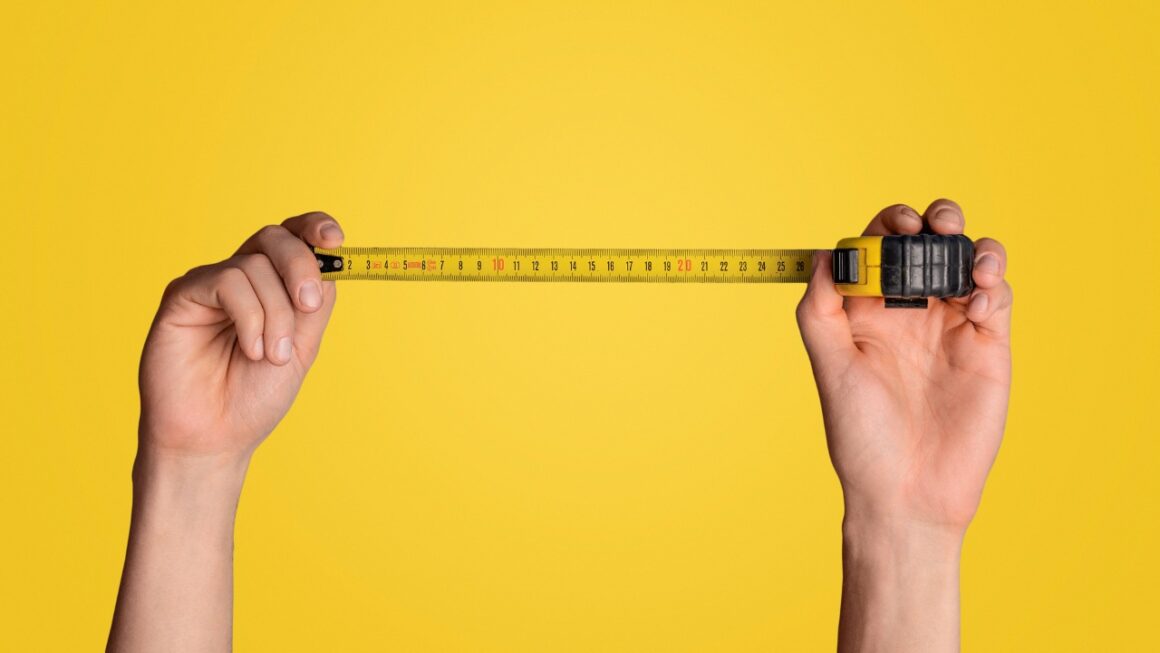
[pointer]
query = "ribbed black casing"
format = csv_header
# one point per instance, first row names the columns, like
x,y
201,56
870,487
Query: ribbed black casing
x,y
927,265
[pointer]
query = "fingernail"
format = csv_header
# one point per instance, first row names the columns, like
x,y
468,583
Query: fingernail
x,y
988,264
911,216
978,304
947,215
330,231
310,294
282,352
259,348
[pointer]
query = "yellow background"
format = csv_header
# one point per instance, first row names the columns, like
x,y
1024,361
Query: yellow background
x,y
575,468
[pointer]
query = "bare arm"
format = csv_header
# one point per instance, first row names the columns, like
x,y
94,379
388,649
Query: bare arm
x,y
228,350
914,404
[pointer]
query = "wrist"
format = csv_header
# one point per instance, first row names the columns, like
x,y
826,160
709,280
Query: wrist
x,y
197,489
899,543
930,514
904,541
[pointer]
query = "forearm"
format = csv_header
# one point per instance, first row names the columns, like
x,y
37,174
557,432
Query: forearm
x,y
177,588
900,587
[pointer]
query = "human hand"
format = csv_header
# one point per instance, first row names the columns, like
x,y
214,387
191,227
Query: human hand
x,y
914,401
227,352
232,342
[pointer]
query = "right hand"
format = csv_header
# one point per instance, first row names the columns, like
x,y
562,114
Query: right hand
x,y
914,401
232,342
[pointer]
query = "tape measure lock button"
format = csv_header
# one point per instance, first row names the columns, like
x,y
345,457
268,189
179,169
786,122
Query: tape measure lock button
x,y
845,265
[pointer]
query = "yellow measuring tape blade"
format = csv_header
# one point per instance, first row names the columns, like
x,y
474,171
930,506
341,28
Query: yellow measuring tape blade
x,y
570,265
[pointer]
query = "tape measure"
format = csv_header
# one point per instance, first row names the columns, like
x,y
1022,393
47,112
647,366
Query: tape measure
x,y
906,269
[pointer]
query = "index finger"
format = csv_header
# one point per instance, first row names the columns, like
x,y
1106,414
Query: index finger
x,y
945,217
316,228
288,248
894,219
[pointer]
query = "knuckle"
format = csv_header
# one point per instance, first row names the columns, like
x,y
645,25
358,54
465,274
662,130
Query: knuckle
x,y
279,321
236,261
278,304
279,325
309,350
248,317
305,267
195,271
250,320
802,312
191,276
254,262
270,232
174,286
298,262
229,275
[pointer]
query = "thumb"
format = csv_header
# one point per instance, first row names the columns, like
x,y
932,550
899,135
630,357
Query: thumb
x,y
823,323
